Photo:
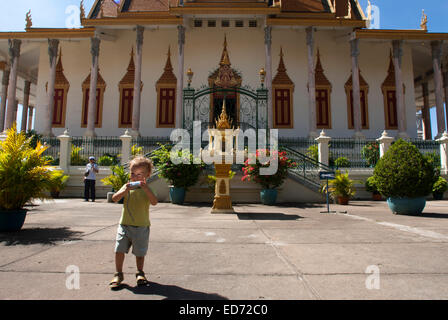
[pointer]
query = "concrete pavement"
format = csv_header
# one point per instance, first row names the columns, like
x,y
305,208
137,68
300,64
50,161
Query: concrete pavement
x,y
260,252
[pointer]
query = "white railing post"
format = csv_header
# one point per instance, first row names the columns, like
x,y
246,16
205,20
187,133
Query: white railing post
x,y
385,142
324,148
64,150
126,146
443,153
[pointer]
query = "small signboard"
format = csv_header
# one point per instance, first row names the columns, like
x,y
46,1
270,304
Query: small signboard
x,y
325,175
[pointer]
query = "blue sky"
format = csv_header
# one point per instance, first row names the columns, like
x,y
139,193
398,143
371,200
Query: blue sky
x,y
394,14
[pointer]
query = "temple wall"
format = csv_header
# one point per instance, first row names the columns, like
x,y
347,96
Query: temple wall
x,y
203,49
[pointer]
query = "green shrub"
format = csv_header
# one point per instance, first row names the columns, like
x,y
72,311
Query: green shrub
x,y
371,153
58,180
117,179
313,152
182,175
370,185
342,162
404,172
75,157
108,160
440,186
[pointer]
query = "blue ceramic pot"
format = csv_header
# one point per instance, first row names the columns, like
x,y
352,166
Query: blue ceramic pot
x,y
268,196
177,195
12,220
410,206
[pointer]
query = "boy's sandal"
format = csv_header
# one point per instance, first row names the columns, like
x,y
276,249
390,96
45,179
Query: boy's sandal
x,y
116,281
141,279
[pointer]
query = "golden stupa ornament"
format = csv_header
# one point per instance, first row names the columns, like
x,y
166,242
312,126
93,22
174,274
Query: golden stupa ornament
x,y
223,121
29,22
424,21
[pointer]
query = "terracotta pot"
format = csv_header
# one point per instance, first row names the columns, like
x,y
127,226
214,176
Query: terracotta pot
x,y
343,200
377,197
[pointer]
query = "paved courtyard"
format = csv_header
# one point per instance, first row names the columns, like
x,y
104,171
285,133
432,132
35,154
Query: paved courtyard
x,y
260,252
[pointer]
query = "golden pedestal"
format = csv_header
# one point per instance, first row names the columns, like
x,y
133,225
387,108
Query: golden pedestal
x,y
222,202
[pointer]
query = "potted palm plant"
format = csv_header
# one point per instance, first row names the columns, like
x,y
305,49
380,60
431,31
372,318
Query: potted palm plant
x,y
180,176
24,175
341,187
58,181
405,177
117,179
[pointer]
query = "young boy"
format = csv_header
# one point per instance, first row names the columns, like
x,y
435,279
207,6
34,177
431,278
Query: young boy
x,y
134,224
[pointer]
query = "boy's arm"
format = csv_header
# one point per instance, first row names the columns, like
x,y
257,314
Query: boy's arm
x,y
120,193
152,198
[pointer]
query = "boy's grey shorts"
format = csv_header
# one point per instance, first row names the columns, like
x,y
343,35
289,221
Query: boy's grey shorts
x,y
137,237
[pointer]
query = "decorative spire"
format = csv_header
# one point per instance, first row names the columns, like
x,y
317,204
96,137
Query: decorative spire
x,y
223,121
424,21
82,12
282,77
29,22
321,79
168,75
225,60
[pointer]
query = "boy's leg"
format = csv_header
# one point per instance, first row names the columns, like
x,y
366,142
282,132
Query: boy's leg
x,y
119,260
140,261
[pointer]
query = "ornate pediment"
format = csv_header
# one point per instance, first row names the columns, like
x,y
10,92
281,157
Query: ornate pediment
x,y
225,76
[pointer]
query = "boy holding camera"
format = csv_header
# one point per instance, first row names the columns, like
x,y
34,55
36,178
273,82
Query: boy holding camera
x,y
134,224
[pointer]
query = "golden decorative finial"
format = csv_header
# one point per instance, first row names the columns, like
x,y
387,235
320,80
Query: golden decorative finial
x,y
223,121
29,22
225,60
82,12
424,21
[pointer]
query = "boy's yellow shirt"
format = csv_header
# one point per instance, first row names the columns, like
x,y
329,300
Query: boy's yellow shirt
x,y
135,208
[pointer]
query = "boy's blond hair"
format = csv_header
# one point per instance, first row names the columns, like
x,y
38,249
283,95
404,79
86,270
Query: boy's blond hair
x,y
141,162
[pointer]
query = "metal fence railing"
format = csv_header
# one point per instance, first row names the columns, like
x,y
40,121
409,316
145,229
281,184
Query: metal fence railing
x,y
357,153
149,143
426,146
54,148
84,147
299,144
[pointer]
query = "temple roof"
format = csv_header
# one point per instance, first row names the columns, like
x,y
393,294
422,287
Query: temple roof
x,y
168,76
113,8
282,77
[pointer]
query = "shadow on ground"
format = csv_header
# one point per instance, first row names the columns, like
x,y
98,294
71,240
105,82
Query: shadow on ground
x,y
172,292
267,216
433,215
39,236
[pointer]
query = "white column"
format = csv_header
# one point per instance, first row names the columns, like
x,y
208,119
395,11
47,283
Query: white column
x,y
311,82
401,110
53,45
64,150
437,65
180,76
14,54
91,115
26,101
126,146
137,82
324,149
267,46
5,81
385,142
356,90
444,153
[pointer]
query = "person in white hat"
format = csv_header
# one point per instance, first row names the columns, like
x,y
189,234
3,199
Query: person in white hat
x,y
89,179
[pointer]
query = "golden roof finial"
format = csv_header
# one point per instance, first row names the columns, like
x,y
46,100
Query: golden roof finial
x,y
424,21
82,12
225,60
223,121
29,22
